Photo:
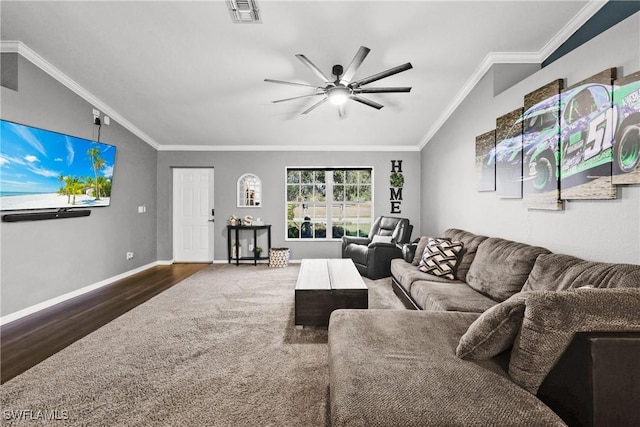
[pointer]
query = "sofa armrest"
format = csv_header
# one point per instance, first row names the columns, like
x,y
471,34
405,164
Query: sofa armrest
x,y
346,240
409,251
595,382
379,256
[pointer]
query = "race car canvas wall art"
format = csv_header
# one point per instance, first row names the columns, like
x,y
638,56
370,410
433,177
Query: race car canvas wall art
x,y
587,125
587,138
485,172
626,145
508,155
541,141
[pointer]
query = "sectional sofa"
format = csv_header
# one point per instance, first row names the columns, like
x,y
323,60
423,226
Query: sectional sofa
x,y
518,336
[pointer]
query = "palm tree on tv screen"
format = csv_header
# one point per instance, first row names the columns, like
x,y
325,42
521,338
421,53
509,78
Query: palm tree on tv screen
x,y
98,163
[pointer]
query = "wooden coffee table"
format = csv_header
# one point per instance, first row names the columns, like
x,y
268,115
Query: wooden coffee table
x,y
325,285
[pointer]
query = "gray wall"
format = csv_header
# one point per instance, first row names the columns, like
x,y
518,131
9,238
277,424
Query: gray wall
x,y
42,260
270,168
595,230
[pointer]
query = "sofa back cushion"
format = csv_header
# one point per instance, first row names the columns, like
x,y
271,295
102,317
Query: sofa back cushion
x,y
551,319
471,242
417,255
555,272
501,267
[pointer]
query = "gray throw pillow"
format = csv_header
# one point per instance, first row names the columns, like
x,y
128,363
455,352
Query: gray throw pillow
x,y
494,331
551,319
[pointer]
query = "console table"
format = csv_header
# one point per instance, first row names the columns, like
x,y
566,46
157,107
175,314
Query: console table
x,y
236,229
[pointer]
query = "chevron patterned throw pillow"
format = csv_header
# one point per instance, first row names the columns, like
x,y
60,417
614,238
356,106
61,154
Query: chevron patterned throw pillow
x,y
440,257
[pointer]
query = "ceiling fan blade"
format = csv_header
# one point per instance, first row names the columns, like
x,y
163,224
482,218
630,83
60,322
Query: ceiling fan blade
x,y
289,83
341,111
382,90
355,64
297,97
316,105
366,101
313,68
382,75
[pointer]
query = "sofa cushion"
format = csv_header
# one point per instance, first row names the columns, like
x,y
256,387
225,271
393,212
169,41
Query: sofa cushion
x,y
439,294
471,242
494,331
405,273
440,257
552,318
554,272
399,368
501,267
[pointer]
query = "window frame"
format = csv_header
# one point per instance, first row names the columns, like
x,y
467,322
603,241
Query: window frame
x,y
329,203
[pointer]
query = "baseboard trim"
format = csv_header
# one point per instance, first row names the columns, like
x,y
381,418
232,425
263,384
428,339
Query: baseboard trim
x,y
57,300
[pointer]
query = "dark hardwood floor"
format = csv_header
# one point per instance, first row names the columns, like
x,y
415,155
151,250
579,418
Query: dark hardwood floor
x,y
28,341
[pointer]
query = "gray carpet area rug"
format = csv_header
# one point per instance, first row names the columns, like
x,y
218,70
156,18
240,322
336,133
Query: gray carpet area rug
x,y
218,349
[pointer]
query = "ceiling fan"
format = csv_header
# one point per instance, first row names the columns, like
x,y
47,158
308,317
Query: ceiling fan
x,y
343,88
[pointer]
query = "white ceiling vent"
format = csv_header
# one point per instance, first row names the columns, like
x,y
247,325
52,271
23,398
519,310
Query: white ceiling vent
x,y
244,11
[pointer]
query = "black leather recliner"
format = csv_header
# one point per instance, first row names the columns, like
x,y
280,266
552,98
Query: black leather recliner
x,y
372,255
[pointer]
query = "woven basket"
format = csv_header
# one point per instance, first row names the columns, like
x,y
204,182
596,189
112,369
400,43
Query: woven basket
x,y
279,257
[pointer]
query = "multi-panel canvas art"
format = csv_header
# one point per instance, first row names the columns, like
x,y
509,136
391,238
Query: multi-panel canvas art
x,y
626,145
565,144
541,146
508,155
485,164
586,141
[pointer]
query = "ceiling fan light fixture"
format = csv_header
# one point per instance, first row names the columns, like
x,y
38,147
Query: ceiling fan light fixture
x,y
338,95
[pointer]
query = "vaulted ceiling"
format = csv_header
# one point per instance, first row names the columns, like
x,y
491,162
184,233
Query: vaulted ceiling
x,y
181,75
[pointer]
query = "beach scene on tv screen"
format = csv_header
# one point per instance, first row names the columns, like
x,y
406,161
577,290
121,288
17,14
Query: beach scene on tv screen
x,y
41,169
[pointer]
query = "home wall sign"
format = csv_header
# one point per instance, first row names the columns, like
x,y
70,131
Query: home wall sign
x,y
396,180
566,144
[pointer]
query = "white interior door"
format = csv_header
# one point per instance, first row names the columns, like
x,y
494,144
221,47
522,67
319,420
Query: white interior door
x,y
193,215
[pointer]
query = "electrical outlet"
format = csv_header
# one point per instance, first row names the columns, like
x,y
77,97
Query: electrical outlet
x,y
107,120
96,113
129,255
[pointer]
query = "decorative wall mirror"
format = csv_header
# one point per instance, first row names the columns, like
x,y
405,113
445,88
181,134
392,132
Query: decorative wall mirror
x,y
249,191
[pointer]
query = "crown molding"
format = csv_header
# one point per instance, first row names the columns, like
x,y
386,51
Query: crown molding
x,y
492,58
29,54
571,27
342,148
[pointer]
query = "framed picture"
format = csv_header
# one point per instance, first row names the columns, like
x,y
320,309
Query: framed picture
x,y
508,155
626,144
541,148
485,161
586,139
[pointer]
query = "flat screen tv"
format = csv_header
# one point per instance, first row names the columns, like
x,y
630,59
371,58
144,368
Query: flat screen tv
x,y
41,169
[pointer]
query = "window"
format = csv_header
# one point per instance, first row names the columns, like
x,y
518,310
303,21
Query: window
x,y
328,203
